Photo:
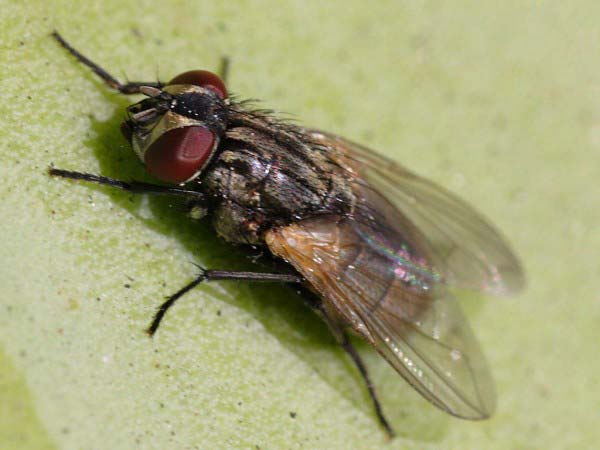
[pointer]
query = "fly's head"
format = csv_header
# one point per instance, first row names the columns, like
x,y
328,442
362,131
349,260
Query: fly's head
x,y
176,130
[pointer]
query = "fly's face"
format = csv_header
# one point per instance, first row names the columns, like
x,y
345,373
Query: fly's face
x,y
177,129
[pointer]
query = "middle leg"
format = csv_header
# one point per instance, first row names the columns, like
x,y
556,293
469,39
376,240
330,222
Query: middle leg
x,y
216,275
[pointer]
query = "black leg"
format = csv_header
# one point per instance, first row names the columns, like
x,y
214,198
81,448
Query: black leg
x,y
347,346
224,68
136,187
215,275
170,300
342,337
132,87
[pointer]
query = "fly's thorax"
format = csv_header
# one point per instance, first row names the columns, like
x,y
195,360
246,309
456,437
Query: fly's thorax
x,y
257,183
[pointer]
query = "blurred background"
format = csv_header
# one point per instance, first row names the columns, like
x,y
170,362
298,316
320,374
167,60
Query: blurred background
x,y
499,103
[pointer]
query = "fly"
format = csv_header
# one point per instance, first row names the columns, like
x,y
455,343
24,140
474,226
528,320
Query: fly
x,y
372,247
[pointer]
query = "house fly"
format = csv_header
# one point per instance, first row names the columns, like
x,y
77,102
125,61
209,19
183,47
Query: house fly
x,y
374,248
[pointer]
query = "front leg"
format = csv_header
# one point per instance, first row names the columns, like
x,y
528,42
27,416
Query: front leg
x,y
132,87
136,187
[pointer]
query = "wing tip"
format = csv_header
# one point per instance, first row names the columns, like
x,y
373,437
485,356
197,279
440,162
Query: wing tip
x,y
511,281
483,410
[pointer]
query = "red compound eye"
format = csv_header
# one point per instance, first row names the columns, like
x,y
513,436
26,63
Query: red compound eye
x,y
202,78
178,154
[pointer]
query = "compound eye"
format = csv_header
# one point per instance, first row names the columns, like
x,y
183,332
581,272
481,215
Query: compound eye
x,y
202,78
179,154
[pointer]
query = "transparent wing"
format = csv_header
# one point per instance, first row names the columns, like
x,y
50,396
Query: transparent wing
x,y
465,248
392,299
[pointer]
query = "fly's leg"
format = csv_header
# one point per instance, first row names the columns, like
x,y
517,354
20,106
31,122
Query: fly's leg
x,y
224,68
216,275
349,348
205,275
136,187
343,339
132,87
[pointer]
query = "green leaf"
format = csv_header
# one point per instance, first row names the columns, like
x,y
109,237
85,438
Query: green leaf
x,y
498,103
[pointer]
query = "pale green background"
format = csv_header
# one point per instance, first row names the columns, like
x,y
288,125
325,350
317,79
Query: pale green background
x,y
499,103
